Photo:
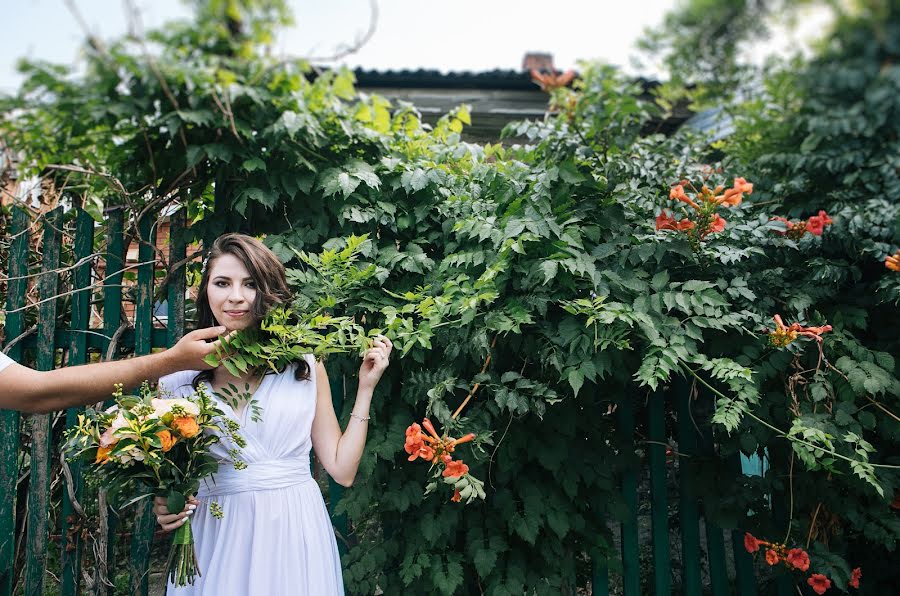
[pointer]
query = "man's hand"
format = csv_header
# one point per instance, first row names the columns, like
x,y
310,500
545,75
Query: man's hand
x,y
189,352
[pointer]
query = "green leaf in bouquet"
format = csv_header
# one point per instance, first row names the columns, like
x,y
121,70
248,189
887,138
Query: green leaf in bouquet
x,y
176,501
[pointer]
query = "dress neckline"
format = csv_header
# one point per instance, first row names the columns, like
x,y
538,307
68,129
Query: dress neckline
x,y
242,419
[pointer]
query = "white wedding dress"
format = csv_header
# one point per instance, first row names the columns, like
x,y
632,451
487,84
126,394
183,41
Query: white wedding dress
x,y
275,537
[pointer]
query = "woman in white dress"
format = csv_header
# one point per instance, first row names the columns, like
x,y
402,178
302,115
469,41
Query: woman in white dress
x,y
275,536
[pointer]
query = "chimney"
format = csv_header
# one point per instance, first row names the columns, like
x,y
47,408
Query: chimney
x,y
537,61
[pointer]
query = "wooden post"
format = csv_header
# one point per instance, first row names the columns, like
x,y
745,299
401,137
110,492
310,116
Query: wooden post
x,y
16,289
71,544
112,318
144,521
36,541
631,572
687,501
659,508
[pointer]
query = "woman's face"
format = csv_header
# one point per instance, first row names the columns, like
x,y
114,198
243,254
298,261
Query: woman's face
x,y
231,293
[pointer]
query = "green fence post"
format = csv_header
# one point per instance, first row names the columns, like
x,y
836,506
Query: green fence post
x,y
659,509
631,573
144,522
41,432
335,490
177,280
599,575
715,552
715,538
687,501
743,566
743,561
112,319
71,543
16,289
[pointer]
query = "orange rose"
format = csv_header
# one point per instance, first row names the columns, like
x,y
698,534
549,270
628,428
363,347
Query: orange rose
x,y
167,440
102,455
186,426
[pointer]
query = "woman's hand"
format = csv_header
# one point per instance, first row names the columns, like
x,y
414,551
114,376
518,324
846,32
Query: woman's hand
x,y
375,361
172,521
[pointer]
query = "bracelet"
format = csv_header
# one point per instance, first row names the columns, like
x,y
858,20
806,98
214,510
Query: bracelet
x,y
358,417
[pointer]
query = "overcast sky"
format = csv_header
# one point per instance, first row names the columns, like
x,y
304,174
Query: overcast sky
x,y
447,35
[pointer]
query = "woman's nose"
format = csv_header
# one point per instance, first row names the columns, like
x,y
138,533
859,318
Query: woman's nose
x,y
237,294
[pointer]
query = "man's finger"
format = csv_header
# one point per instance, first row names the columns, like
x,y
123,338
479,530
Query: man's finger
x,y
216,345
207,333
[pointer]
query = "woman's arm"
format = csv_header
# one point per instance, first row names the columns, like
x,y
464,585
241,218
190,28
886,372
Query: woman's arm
x,y
39,392
340,453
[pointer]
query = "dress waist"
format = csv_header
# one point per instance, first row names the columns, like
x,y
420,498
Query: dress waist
x,y
260,475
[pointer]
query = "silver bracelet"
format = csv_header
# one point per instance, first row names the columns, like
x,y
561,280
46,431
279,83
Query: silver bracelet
x,y
358,417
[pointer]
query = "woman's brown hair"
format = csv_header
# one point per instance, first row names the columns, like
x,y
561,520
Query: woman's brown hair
x,y
268,275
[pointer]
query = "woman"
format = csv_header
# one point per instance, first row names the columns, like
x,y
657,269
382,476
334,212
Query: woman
x,y
275,536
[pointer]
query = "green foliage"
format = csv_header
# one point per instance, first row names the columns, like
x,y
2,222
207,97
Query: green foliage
x,y
545,257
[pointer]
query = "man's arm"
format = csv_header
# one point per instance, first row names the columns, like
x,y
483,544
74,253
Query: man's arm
x,y
39,392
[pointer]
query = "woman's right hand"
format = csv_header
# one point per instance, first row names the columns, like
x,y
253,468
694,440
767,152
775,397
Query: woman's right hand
x,y
172,521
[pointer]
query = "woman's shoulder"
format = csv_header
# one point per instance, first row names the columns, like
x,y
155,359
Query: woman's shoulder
x,y
178,382
289,372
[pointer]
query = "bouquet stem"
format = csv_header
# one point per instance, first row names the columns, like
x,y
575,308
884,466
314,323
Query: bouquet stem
x,y
182,565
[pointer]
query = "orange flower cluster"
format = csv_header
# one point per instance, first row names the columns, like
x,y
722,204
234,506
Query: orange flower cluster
x,y
892,262
784,335
704,202
432,447
815,225
795,559
551,80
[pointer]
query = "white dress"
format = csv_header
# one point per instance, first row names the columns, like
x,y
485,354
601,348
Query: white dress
x,y
275,537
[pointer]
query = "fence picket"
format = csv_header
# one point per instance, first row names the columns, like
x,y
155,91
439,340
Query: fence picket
x,y
71,543
687,501
629,528
144,522
112,319
41,431
335,490
659,508
16,290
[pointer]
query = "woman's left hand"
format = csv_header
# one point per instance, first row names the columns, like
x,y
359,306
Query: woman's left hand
x,y
375,361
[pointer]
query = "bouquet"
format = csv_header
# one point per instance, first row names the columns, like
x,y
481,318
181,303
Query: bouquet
x,y
146,445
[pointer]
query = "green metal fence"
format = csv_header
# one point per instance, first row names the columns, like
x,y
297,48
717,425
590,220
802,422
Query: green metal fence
x,y
116,335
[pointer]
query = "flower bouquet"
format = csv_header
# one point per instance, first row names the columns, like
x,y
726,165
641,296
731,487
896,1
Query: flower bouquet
x,y
146,445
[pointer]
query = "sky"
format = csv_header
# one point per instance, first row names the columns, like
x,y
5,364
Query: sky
x,y
448,35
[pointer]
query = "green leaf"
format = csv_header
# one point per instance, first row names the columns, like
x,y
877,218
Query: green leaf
x,y
253,164
576,380
414,180
176,502
549,268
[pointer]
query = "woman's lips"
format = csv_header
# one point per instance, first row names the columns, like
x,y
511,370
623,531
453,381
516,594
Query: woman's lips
x,y
235,314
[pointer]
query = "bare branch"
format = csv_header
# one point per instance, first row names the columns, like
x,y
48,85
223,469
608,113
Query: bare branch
x,y
360,41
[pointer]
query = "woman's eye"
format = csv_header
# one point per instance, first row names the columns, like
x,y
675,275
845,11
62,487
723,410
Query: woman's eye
x,y
221,284
251,284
